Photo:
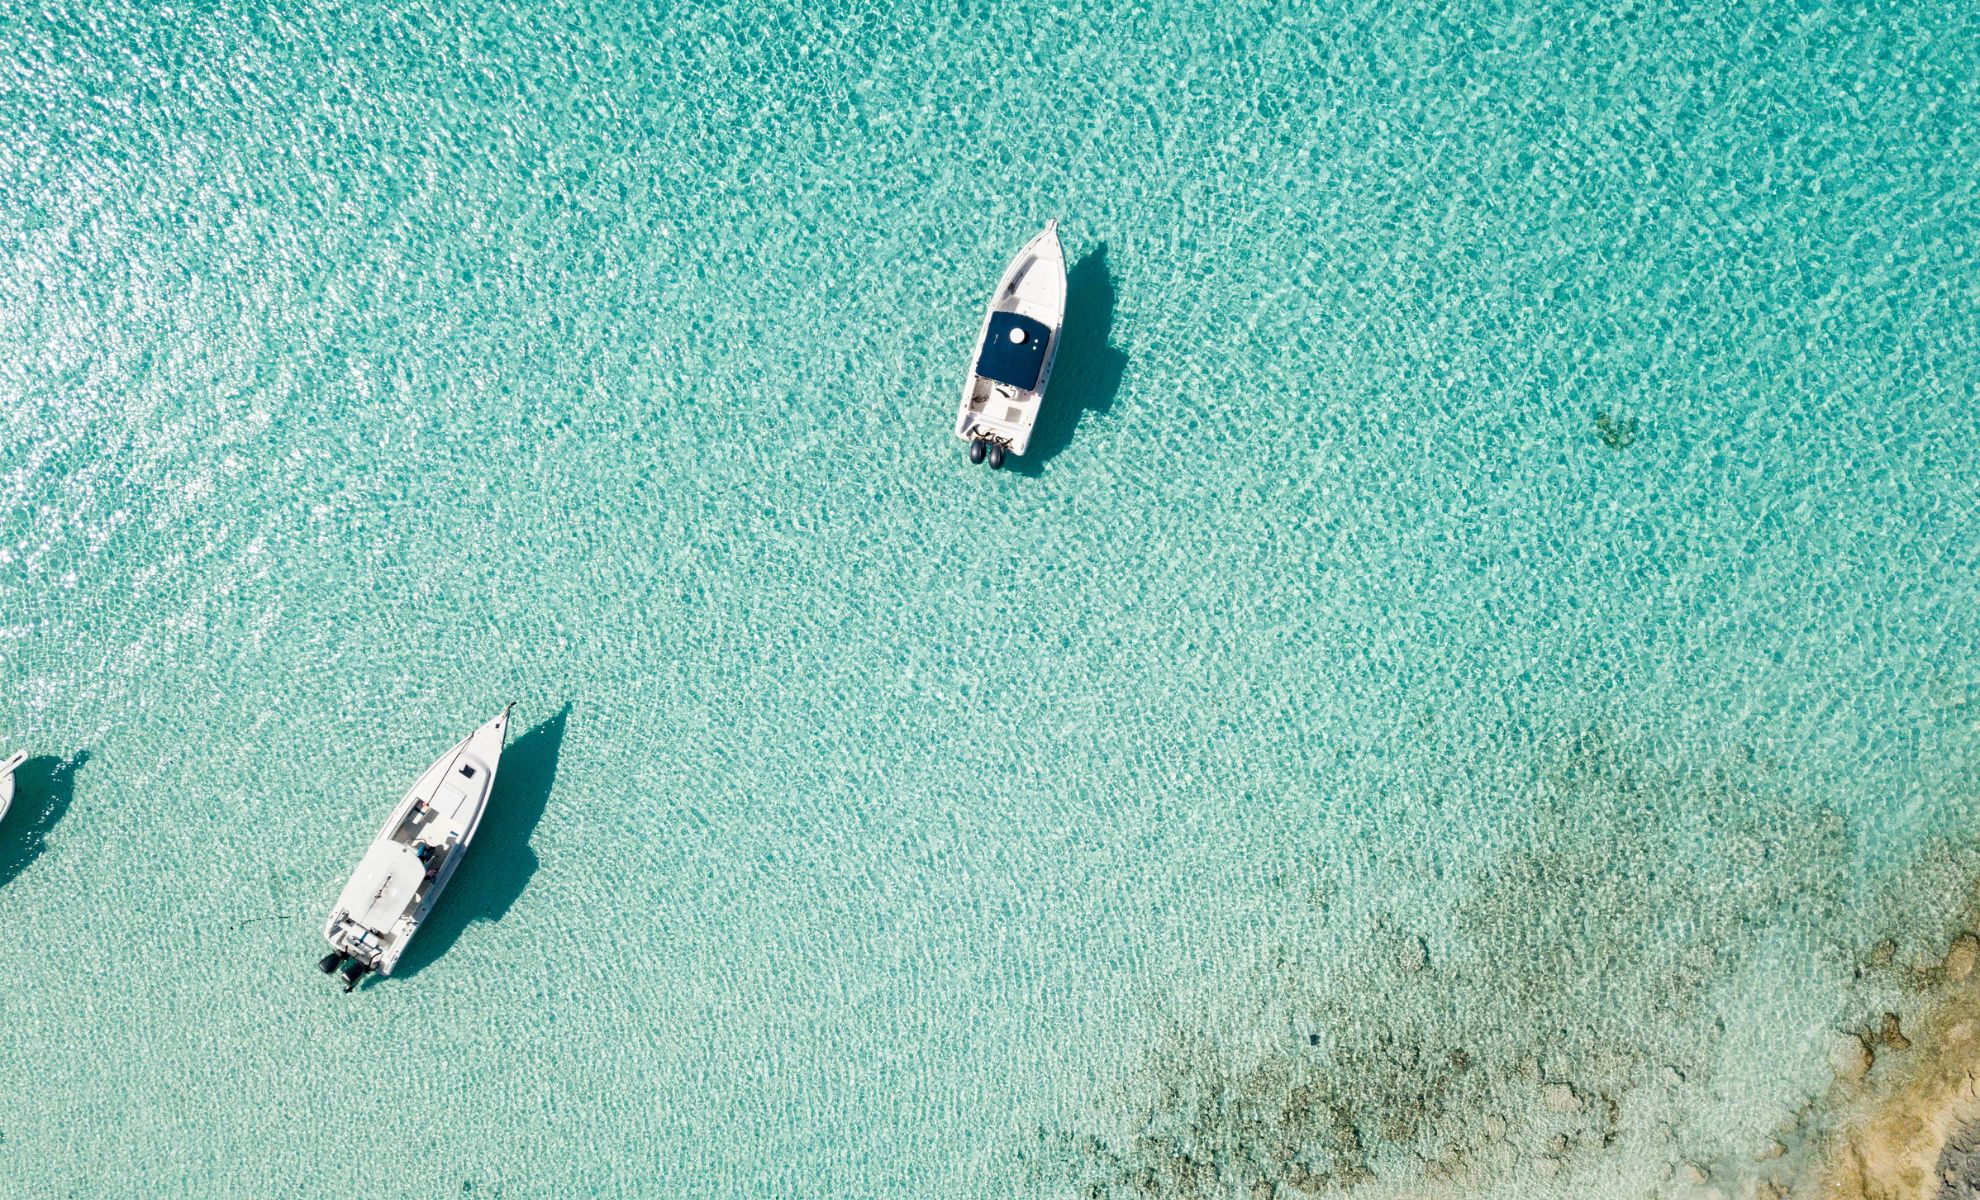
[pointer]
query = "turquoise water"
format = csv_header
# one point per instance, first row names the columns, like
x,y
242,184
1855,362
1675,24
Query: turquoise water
x,y
1492,607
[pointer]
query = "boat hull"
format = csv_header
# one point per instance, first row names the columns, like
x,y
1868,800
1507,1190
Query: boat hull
x,y
7,770
416,852
1016,347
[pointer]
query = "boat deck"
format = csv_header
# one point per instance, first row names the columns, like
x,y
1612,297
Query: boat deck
x,y
996,405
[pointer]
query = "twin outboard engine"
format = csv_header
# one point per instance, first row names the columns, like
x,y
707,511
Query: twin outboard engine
x,y
980,447
331,962
354,972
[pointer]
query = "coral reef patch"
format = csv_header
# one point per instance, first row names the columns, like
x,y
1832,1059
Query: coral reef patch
x,y
1544,1034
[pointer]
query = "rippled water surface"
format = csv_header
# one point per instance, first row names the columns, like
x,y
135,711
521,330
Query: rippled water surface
x,y
1482,643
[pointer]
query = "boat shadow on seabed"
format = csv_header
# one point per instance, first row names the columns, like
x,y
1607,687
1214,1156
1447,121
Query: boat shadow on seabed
x,y
499,864
44,786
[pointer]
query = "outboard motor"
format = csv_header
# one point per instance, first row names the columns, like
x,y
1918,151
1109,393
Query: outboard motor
x,y
353,973
976,448
331,962
996,456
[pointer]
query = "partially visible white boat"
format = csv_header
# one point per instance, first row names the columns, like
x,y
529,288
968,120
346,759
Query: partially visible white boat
x,y
413,857
7,770
1014,352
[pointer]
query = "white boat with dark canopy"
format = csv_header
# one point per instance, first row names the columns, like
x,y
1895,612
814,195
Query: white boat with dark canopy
x,y
413,857
7,770
1014,352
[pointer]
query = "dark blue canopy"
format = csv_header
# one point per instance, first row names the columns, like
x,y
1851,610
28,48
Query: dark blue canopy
x,y
1016,363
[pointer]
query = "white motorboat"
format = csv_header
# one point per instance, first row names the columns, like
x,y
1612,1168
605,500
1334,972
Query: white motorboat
x,y
7,770
1014,352
413,857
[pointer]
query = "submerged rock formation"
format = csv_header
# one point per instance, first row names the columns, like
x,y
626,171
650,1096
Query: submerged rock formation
x,y
1908,1127
1959,1165
1538,1045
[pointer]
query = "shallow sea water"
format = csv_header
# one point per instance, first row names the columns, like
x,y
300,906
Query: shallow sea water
x,y
1492,607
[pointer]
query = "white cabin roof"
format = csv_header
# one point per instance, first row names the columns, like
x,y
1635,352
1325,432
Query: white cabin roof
x,y
383,886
